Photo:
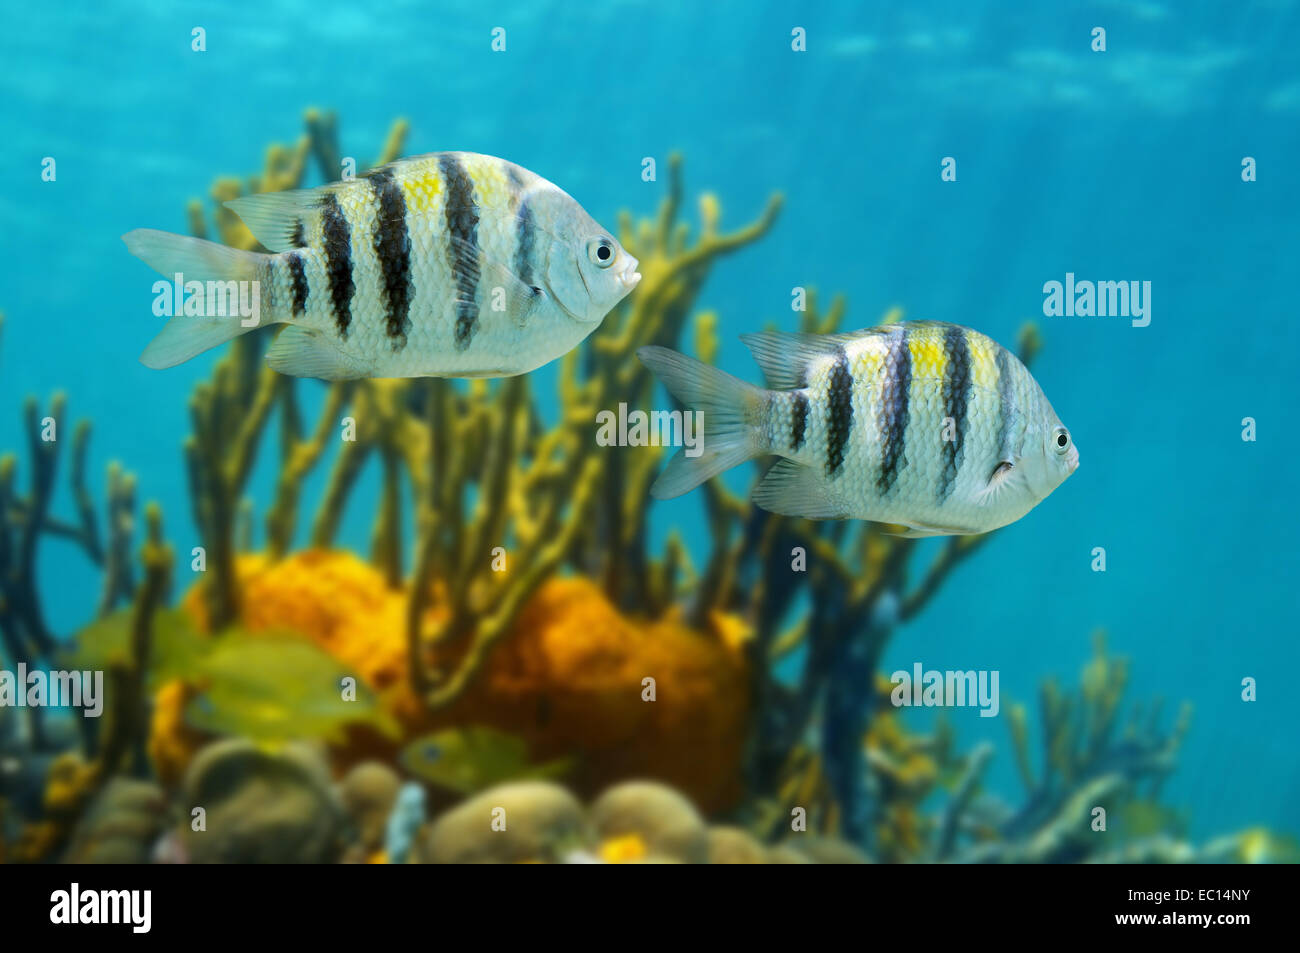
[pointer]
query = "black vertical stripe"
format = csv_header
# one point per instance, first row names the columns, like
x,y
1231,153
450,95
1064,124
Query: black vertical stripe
x,y
524,241
393,249
839,412
525,227
337,242
516,181
799,421
462,229
298,278
955,391
299,234
891,418
1006,404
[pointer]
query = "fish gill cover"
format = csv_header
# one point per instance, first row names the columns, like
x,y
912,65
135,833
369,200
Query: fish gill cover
x,y
527,630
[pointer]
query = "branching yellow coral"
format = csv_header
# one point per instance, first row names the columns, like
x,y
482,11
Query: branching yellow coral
x,y
230,412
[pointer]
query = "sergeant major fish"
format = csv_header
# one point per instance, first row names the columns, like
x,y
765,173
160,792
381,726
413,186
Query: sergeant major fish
x,y
930,426
451,264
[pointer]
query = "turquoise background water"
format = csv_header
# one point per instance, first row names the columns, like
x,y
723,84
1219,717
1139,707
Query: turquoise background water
x,y
1115,166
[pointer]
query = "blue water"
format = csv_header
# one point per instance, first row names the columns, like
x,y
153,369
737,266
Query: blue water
x,y
1114,166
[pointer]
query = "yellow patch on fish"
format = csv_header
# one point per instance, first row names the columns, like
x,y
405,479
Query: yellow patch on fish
x,y
867,363
983,361
929,356
423,190
491,184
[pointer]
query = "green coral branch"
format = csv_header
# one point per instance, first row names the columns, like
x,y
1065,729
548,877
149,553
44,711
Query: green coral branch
x,y
122,746
298,457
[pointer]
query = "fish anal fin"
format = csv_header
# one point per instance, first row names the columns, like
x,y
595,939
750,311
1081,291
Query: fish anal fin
x,y
300,352
792,489
926,530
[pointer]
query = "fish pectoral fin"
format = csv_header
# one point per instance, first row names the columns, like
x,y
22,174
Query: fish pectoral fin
x,y
1002,475
792,489
494,280
300,352
520,298
277,219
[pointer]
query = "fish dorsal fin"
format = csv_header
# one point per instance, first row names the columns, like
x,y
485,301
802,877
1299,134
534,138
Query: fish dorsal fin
x,y
277,219
785,357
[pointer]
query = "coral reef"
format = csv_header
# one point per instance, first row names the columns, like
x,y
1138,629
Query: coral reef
x,y
231,412
1087,761
74,778
26,518
536,498
512,621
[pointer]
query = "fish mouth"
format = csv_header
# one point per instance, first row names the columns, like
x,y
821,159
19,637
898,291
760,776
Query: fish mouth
x,y
1072,460
629,276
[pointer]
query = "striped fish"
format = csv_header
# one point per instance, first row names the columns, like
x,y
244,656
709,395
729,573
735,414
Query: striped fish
x,y
446,265
925,425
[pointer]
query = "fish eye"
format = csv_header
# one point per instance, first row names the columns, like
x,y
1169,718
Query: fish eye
x,y
1062,439
601,252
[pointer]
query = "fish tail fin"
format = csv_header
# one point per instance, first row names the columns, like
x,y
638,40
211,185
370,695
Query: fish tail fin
x,y
732,413
195,259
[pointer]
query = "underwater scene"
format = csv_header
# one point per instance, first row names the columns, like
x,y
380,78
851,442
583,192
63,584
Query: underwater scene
x,y
649,433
